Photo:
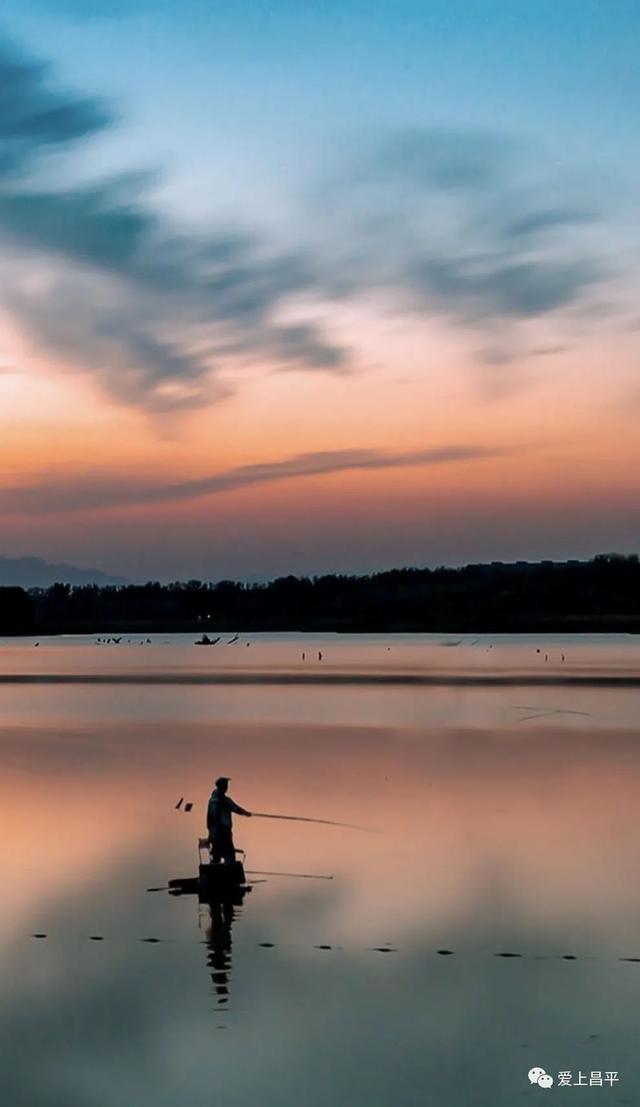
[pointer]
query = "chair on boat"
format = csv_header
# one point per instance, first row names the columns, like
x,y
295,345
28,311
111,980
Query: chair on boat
x,y
204,845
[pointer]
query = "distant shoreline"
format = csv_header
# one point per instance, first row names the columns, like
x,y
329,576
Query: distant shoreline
x,y
579,597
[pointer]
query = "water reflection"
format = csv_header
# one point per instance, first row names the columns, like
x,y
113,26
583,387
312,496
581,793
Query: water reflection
x,y
218,937
510,828
216,916
221,917
321,1027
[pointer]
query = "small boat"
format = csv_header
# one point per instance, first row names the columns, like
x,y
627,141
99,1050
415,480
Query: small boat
x,y
218,882
215,882
222,882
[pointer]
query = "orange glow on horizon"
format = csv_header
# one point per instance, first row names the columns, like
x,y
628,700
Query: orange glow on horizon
x,y
554,447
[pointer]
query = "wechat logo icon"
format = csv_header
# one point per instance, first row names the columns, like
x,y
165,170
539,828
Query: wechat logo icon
x,y
540,1077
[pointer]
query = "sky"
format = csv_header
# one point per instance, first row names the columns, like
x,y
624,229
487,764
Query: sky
x,y
300,287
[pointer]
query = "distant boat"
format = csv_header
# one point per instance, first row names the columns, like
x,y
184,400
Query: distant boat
x,y
206,641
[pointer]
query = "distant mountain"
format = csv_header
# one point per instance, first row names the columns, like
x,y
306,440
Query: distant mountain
x,y
33,572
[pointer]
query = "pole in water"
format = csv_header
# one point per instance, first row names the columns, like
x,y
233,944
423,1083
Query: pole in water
x,y
306,819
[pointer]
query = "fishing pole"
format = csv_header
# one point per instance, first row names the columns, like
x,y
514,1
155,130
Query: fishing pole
x,y
301,876
306,819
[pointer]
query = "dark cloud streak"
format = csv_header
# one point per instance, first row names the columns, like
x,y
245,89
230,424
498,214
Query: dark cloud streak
x,y
33,115
549,219
97,492
129,296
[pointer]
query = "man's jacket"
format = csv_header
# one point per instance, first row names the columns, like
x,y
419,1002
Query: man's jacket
x,y
219,811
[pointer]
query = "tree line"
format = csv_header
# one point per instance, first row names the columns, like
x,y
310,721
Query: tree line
x,y
600,594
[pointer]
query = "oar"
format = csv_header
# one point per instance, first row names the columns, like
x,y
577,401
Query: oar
x,y
305,819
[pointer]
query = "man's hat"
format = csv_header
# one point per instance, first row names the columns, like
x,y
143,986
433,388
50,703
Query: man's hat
x,y
222,780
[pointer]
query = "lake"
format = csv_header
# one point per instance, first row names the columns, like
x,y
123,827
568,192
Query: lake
x,y
484,923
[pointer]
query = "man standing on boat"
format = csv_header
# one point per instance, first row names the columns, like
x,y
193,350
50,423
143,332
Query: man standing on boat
x,y
219,821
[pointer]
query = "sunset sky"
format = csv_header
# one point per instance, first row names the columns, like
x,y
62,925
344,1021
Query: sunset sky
x,y
306,287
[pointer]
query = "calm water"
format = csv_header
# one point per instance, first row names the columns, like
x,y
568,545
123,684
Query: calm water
x,y
503,774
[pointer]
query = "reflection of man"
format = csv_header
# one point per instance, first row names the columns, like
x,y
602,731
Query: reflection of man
x,y
219,813
219,947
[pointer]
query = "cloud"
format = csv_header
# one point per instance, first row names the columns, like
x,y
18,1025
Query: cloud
x,y
456,222
34,116
150,309
302,343
507,287
85,323
442,159
436,220
548,219
96,491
